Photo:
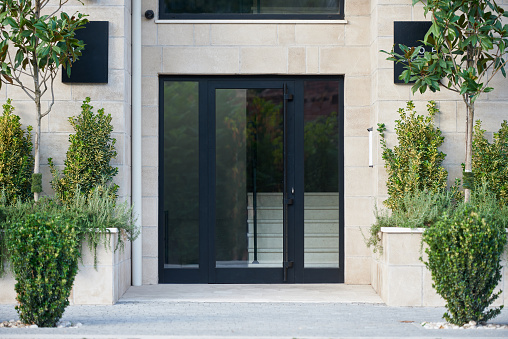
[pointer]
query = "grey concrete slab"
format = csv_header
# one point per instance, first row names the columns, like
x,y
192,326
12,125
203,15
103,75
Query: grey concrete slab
x,y
148,313
314,293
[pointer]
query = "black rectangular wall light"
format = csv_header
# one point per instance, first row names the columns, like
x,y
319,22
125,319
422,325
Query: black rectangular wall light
x,y
92,65
408,33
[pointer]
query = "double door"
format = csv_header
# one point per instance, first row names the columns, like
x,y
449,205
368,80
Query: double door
x,y
251,180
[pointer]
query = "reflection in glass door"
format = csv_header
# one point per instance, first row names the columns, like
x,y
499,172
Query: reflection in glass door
x,y
249,178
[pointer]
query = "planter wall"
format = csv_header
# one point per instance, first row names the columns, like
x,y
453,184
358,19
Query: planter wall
x,y
104,285
401,279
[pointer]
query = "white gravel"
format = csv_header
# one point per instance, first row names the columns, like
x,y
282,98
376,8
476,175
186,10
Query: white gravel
x,y
19,324
471,325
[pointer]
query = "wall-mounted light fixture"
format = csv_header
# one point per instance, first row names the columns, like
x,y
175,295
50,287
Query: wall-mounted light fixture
x,y
149,14
371,164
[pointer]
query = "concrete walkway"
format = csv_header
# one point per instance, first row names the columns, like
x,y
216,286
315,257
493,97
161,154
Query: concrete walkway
x,y
248,311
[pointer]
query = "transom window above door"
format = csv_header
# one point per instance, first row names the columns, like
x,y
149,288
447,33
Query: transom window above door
x,y
251,9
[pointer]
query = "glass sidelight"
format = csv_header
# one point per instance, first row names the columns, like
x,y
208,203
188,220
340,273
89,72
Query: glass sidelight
x,y
180,177
321,174
249,178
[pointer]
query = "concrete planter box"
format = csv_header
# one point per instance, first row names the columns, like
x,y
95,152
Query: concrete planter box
x,y
401,279
104,285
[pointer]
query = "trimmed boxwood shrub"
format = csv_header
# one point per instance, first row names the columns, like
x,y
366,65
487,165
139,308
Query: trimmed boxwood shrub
x,y
490,160
44,253
87,162
415,163
16,160
464,257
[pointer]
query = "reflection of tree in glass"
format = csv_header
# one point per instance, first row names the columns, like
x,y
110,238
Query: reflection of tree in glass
x,y
265,147
181,170
231,204
249,134
321,154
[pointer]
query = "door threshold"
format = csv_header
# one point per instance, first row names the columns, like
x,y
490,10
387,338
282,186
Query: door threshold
x,y
253,293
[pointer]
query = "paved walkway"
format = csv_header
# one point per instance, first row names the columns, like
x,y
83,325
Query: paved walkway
x,y
248,311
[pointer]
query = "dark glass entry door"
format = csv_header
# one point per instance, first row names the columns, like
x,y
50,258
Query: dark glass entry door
x,y
251,180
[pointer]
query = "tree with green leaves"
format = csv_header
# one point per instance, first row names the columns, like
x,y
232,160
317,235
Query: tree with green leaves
x,y
32,47
469,41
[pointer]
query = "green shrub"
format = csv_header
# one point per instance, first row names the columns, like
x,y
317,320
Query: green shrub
x,y
87,163
44,254
415,164
490,161
464,255
16,160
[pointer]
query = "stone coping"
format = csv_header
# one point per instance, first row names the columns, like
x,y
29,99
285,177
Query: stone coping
x,y
406,230
402,230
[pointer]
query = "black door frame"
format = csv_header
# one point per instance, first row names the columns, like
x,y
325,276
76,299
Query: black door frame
x,y
207,272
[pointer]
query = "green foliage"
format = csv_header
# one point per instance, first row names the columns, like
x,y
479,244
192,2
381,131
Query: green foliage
x,y
36,42
16,160
469,41
464,255
415,164
420,209
490,161
91,149
36,182
98,211
44,258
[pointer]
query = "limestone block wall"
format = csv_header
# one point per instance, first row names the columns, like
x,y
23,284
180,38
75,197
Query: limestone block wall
x,y
266,48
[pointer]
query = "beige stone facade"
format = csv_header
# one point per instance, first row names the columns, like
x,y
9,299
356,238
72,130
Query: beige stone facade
x,y
348,48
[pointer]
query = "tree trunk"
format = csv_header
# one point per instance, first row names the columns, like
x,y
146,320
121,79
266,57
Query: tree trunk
x,y
37,140
37,88
468,163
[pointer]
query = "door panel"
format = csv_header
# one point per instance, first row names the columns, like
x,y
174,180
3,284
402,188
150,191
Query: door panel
x,y
249,178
